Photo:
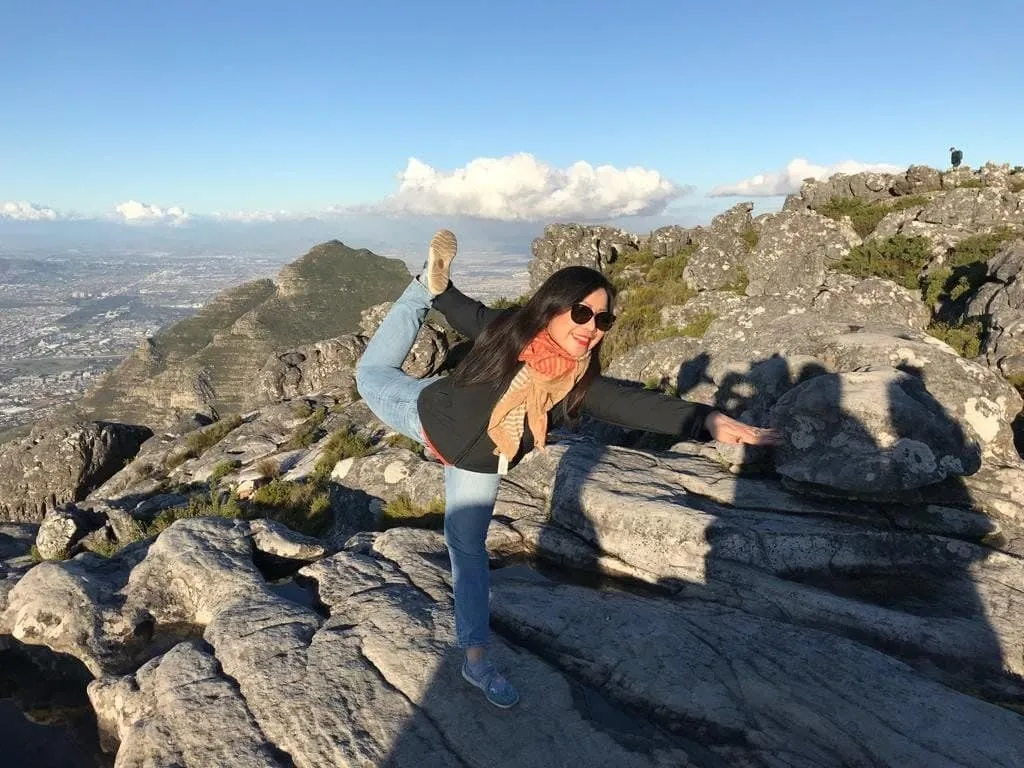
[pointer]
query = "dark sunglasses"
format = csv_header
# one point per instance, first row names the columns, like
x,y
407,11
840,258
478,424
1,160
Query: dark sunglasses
x,y
581,314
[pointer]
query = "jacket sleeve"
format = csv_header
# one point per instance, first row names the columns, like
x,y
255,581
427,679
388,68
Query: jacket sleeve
x,y
628,405
467,316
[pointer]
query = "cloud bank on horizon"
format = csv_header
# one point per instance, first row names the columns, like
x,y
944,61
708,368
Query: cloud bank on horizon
x,y
514,188
521,188
788,180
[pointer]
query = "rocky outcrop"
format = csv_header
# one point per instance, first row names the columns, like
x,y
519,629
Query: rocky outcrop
x,y
794,250
58,463
838,434
721,254
1000,301
428,352
326,367
564,245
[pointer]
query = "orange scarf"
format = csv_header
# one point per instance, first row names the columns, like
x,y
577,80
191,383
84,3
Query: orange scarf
x,y
549,375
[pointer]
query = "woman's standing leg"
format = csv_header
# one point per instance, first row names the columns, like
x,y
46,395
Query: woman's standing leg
x,y
390,392
469,503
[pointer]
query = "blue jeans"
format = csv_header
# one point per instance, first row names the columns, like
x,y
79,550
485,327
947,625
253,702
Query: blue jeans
x,y
469,496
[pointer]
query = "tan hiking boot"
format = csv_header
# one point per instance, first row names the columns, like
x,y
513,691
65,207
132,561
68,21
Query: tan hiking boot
x,y
443,246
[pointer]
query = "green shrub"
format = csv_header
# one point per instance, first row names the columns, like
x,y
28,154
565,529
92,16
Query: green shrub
x,y
697,327
979,247
212,504
751,238
505,303
200,441
223,468
1017,382
403,512
971,184
268,467
303,507
965,337
346,443
965,269
1017,185
302,410
899,258
401,441
105,547
670,268
863,215
308,432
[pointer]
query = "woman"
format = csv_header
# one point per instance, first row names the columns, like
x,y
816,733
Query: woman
x,y
530,369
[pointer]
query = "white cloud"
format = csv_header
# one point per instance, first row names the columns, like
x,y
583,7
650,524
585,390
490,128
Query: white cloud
x,y
521,188
788,180
23,211
134,211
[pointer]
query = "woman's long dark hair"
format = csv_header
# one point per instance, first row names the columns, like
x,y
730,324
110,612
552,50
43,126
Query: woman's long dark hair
x,y
494,357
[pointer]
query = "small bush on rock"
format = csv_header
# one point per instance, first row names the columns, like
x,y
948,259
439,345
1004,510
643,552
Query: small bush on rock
x,y
403,512
308,432
222,469
899,258
202,440
965,337
343,444
303,507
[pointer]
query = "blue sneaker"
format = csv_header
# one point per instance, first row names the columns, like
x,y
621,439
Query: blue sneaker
x,y
499,691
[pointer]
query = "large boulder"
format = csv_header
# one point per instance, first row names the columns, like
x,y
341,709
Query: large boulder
x,y
722,251
1001,302
564,245
324,367
868,433
429,350
794,250
61,463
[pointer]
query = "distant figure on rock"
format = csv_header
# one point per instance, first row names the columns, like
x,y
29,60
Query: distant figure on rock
x,y
955,157
530,368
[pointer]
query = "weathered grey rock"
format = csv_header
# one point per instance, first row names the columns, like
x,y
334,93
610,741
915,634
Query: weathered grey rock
x,y
392,473
1001,302
919,179
703,304
661,360
794,250
871,300
974,209
428,352
722,254
865,186
324,367
57,464
869,433
759,689
669,241
564,245
16,541
62,528
178,709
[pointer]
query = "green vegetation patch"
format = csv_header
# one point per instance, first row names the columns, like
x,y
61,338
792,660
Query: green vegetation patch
x,y
201,440
865,215
346,443
222,469
402,511
898,258
308,432
303,507
965,337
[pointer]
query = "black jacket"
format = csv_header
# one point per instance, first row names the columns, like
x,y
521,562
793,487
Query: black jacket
x,y
455,418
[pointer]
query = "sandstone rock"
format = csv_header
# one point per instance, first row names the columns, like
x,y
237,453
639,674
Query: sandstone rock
x,y
564,245
871,432
62,528
428,352
56,464
794,250
722,253
870,300
1001,302
324,367
669,241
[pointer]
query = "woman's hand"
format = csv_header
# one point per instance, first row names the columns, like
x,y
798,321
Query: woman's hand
x,y
727,430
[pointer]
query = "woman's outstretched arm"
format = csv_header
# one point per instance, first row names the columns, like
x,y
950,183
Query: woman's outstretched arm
x,y
467,316
634,408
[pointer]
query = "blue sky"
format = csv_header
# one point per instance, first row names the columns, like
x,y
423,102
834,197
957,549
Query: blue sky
x,y
192,108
